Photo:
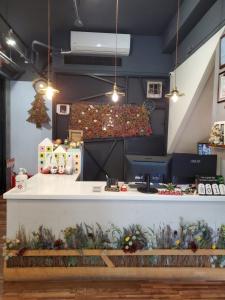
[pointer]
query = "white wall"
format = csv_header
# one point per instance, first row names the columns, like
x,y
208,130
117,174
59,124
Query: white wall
x,y
199,124
192,77
24,136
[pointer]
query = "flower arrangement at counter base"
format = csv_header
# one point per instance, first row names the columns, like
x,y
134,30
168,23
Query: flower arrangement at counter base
x,y
192,236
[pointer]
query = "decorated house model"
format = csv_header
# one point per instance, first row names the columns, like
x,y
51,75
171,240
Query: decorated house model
x,y
45,151
76,154
61,155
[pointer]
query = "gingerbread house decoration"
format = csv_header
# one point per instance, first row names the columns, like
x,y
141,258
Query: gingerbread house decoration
x,y
45,151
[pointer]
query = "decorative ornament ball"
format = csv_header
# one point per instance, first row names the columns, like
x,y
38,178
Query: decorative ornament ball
x,y
123,188
73,144
58,141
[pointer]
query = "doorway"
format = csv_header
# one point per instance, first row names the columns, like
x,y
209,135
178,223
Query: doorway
x,y
2,136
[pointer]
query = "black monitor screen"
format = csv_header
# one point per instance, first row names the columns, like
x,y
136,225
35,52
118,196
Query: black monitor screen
x,y
185,167
137,166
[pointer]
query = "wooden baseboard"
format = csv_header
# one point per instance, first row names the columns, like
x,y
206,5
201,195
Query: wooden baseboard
x,y
110,271
61,273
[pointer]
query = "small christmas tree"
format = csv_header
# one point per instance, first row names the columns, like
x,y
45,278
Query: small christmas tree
x,y
38,112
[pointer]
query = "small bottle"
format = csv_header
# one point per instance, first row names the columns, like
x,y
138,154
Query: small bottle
x,y
21,180
69,166
54,165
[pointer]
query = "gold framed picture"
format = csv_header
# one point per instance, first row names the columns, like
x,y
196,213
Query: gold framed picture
x,y
75,135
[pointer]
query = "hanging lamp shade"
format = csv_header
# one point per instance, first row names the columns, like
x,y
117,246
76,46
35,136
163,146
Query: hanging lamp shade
x,y
175,94
49,91
115,93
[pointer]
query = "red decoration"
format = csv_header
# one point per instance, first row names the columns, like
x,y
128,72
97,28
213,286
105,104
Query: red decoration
x,y
106,120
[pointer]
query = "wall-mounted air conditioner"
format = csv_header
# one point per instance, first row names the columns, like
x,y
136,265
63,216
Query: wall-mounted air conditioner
x,y
99,44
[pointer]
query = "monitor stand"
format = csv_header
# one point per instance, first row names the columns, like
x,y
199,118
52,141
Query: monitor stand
x,y
147,189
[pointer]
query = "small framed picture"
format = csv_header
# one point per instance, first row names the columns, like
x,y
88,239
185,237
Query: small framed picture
x,y
221,88
63,109
154,89
75,135
222,52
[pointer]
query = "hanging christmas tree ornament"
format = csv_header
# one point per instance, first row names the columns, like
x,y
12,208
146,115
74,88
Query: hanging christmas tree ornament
x,y
38,112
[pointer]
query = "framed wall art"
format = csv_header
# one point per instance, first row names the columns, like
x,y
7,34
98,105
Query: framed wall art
x,y
221,88
222,52
154,89
63,109
75,135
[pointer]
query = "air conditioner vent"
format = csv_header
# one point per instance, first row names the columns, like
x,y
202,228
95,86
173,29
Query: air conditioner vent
x,y
91,60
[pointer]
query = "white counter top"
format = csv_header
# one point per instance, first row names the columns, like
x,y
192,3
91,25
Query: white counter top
x,y
65,187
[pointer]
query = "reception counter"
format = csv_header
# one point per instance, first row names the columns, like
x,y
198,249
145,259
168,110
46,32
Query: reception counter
x,y
58,201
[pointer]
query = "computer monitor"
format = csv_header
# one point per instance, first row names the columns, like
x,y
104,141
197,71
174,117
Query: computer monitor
x,y
204,149
139,168
185,167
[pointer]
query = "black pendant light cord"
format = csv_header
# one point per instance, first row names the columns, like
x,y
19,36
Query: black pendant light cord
x,y
117,14
49,39
177,39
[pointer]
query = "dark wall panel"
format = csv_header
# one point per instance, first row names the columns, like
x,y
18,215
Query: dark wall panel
x,y
107,156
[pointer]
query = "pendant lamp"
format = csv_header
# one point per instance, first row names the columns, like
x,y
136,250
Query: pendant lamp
x,y
49,91
116,93
175,94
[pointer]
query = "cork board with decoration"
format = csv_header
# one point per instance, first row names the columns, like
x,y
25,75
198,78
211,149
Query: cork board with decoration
x,y
108,120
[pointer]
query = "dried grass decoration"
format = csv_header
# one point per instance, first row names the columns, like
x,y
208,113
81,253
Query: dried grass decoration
x,y
106,120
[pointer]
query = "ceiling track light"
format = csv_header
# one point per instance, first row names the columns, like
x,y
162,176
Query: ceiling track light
x,y
115,94
175,94
11,42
